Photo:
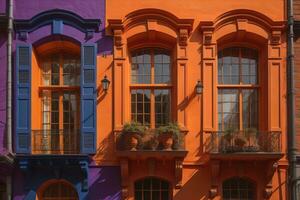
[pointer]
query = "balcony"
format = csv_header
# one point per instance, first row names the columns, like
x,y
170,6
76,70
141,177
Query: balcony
x,y
55,142
244,145
150,145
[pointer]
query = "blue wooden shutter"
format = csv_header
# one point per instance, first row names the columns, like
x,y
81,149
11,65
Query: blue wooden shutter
x,y
88,98
22,95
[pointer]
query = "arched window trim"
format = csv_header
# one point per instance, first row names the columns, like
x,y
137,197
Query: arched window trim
x,y
49,183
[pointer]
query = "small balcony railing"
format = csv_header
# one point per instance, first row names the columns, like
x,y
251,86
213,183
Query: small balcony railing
x,y
244,141
55,141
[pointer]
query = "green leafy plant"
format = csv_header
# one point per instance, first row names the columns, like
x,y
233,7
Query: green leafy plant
x,y
171,127
134,127
229,133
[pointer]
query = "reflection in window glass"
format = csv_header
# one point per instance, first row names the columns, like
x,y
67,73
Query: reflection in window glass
x,y
237,106
61,69
152,189
162,107
237,65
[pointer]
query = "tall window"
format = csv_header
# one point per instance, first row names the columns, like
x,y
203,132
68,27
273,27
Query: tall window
x,y
237,88
151,87
238,189
61,100
59,191
152,189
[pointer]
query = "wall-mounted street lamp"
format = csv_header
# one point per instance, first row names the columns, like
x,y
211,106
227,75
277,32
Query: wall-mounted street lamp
x,y
105,83
199,88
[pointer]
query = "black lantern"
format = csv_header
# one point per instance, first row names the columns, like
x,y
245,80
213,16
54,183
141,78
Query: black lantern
x,y
105,83
199,87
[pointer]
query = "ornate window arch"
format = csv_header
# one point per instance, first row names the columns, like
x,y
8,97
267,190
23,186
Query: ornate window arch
x,y
57,190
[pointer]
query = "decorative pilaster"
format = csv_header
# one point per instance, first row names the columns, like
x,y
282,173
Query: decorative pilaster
x,y
125,177
208,77
274,80
215,170
270,170
182,76
178,173
118,74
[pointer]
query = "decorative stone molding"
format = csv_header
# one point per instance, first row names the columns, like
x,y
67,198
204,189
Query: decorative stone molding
x,y
125,177
178,173
47,17
183,37
118,38
275,37
215,171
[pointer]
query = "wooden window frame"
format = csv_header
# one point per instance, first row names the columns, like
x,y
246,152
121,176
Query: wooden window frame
x,y
151,190
252,188
241,86
152,86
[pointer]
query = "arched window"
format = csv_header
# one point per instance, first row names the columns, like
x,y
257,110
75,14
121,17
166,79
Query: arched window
x,y
152,189
60,102
237,88
151,87
59,191
2,191
238,189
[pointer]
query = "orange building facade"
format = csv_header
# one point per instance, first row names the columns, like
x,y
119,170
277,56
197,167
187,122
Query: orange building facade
x,y
234,130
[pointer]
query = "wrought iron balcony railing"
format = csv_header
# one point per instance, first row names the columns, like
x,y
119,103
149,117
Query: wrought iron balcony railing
x,y
55,141
243,141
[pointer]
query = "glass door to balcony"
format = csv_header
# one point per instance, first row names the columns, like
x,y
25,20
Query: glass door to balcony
x,y
60,106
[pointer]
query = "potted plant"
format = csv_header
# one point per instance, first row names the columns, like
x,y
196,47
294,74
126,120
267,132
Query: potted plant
x,y
226,139
167,134
251,135
150,140
132,135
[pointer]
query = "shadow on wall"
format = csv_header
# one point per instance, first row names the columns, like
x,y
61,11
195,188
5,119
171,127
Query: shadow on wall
x,y
194,188
105,183
106,148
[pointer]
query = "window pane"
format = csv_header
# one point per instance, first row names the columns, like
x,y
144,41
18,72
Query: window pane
x,y
250,109
152,189
162,107
140,106
228,109
238,188
141,67
162,66
235,63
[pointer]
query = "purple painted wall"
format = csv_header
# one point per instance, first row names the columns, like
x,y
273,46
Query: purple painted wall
x,y
3,75
88,9
2,7
104,184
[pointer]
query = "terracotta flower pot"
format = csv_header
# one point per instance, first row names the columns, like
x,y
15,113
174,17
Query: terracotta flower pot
x,y
132,141
167,141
